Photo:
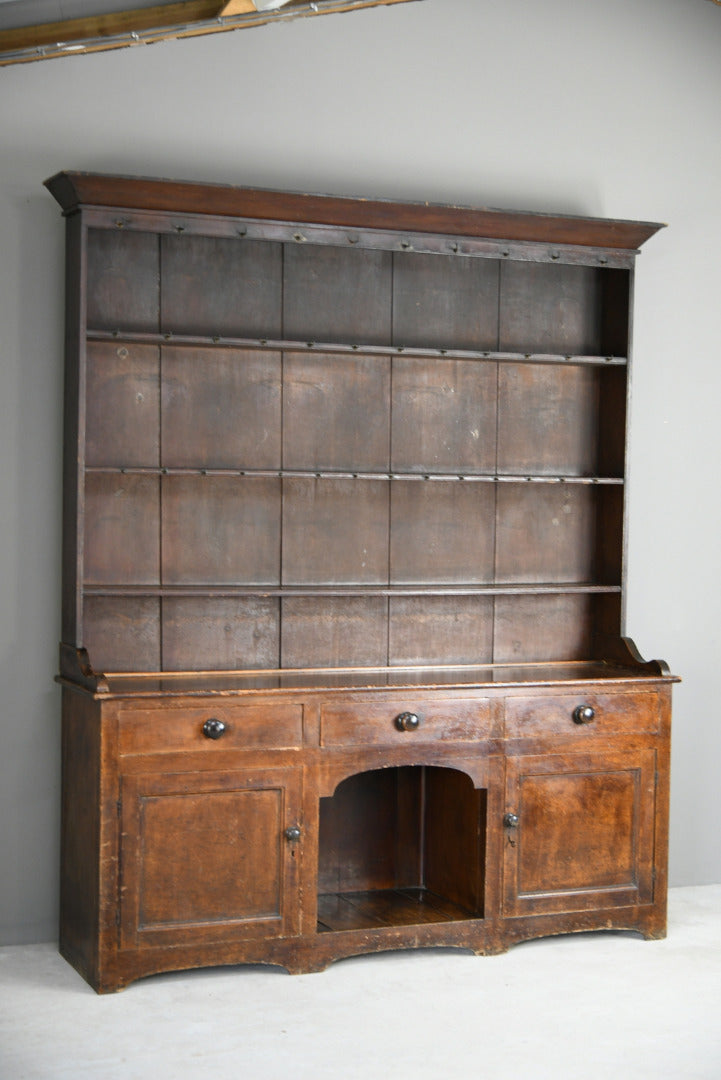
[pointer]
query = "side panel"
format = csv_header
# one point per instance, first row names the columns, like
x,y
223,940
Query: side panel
x,y
88,881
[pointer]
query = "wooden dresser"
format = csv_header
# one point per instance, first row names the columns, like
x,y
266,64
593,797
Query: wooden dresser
x,y
342,654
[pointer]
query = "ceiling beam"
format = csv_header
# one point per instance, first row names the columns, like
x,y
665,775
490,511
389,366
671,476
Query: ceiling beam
x,y
238,7
147,25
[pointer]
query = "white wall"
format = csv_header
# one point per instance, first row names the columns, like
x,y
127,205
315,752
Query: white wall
x,y
608,109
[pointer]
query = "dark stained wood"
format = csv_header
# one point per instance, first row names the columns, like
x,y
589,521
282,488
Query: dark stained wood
x,y
609,535
123,280
455,839
220,529
390,907
335,531
441,532
431,630
627,712
444,416
336,412
394,680
217,286
428,827
333,632
444,301
542,628
221,409
331,607
548,420
550,308
334,294
73,434
337,911
75,189
122,529
98,26
370,831
616,292
226,633
613,393
123,633
128,433
80,883
545,532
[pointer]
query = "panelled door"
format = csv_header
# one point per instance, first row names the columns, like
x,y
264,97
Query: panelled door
x,y
578,831
209,857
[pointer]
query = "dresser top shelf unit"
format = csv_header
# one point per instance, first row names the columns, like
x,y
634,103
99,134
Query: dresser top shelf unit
x,y
309,437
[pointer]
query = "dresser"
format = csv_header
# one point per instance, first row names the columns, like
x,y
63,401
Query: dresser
x,y
343,659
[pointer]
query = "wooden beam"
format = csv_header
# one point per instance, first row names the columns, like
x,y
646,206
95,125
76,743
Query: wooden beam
x,y
236,7
136,26
91,27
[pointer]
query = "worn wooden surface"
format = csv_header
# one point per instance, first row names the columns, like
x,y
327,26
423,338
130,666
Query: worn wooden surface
x,y
344,535
399,830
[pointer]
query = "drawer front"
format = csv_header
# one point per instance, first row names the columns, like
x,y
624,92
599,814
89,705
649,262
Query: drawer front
x,y
405,722
210,727
582,714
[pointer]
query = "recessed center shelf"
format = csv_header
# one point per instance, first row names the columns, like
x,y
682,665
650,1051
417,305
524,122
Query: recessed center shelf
x,y
386,907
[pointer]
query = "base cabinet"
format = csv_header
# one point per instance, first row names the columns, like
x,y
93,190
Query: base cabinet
x,y
371,831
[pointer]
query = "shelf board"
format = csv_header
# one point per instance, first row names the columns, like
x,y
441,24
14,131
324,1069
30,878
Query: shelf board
x,y
339,474
288,591
231,683
386,907
326,347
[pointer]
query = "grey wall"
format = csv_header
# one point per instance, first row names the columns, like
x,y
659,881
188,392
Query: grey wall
x,y
608,109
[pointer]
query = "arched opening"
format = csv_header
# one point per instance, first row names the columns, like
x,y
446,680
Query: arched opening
x,y
400,847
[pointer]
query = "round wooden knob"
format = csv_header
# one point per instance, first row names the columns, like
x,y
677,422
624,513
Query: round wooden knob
x,y
408,721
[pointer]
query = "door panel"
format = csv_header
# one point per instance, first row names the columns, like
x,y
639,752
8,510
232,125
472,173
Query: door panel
x,y
584,836
205,858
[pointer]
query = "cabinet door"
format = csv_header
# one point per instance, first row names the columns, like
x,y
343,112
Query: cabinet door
x,y
205,858
578,831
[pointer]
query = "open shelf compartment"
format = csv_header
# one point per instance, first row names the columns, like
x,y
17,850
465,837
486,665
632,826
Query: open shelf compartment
x,y
401,846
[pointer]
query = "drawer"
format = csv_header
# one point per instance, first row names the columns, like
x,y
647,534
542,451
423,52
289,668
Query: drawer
x,y
210,727
405,722
568,714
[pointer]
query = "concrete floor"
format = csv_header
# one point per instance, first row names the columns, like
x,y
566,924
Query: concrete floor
x,y
581,1007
